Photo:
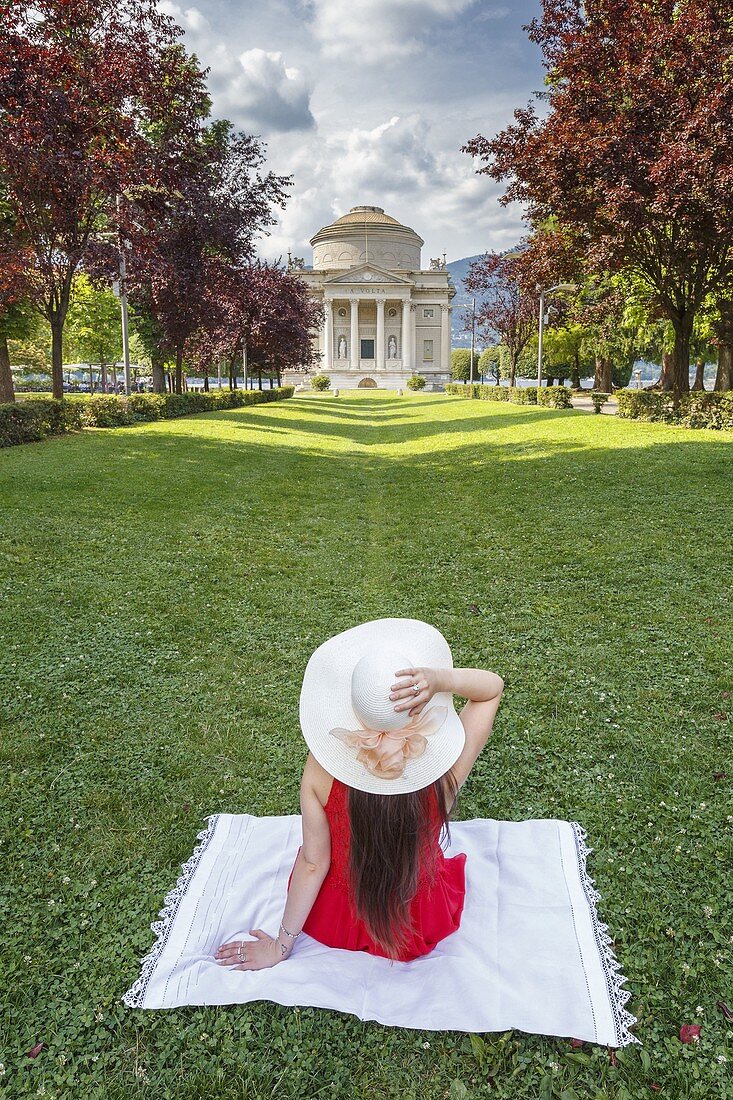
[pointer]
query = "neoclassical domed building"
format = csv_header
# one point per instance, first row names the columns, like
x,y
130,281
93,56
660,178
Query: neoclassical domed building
x,y
385,317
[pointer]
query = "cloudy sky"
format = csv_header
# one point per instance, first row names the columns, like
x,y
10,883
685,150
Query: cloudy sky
x,y
369,102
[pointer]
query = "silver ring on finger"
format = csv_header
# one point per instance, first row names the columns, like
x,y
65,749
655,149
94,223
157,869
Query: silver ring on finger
x,y
416,689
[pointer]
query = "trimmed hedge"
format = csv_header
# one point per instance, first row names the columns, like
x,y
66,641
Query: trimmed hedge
x,y
554,397
29,421
33,420
697,409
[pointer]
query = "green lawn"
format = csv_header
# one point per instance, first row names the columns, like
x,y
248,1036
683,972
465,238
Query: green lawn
x,y
163,588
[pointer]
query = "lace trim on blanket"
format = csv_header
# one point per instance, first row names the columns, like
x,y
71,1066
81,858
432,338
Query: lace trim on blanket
x,y
135,996
622,1019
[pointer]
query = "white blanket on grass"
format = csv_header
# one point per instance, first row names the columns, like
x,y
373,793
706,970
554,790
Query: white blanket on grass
x,y
530,953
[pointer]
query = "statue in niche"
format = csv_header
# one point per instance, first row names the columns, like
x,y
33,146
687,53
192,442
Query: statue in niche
x,y
341,354
392,347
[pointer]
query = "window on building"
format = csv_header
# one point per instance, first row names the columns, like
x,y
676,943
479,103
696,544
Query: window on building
x,y
428,313
427,349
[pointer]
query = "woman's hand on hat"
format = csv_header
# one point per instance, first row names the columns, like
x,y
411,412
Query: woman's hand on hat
x,y
403,692
255,954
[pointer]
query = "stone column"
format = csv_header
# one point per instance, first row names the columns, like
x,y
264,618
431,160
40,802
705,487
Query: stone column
x,y
413,337
445,339
380,334
328,335
355,346
406,336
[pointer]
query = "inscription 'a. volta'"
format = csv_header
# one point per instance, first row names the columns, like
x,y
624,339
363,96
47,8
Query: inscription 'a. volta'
x,y
366,290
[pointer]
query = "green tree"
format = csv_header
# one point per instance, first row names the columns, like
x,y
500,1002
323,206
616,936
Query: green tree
x,y
489,363
93,326
460,365
564,351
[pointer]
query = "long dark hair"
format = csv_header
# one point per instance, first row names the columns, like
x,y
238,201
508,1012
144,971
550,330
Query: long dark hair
x,y
392,839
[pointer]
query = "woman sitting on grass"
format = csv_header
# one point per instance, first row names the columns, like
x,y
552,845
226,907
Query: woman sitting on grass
x,y
388,754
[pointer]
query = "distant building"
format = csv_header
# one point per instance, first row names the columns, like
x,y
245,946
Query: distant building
x,y
385,317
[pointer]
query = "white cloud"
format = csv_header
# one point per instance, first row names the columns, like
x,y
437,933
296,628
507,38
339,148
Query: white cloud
x,y
272,94
256,88
376,30
370,101
393,165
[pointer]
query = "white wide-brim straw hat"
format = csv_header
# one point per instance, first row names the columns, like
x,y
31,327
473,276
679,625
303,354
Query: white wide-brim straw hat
x,y
346,686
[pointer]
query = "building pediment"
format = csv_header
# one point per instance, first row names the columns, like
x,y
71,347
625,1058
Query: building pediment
x,y
367,275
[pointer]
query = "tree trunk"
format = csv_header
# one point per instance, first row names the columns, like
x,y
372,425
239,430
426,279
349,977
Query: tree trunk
x,y
57,355
575,374
699,383
206,383
724,375
103,369
680,364
179,369
91,378
603,377
664,382
724,332
7,393
158,374
260,378
513,370
171,387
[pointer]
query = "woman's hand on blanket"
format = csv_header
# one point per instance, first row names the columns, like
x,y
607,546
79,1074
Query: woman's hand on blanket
x,y
254,954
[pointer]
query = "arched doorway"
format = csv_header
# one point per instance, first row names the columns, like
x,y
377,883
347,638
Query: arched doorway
x,y
367,384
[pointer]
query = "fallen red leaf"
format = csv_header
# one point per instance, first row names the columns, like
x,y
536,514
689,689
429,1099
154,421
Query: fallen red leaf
x,y
655,1086
726,694
721,716
474,609
724,1009
576,1043
35,1051
612,1057
719,775
689,1033
186,807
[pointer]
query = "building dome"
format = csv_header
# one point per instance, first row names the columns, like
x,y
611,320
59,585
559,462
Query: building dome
x,y
366,234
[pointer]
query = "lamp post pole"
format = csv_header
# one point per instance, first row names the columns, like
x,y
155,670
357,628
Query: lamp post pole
x,y
549,290
123,301
473,334
539,344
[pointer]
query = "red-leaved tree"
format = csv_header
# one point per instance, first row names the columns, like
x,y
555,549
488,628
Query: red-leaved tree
x,y
85,89
186,247
509,285
261,308
636,152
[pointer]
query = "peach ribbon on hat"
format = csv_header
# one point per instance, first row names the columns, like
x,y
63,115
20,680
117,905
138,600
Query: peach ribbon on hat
x,y
385,753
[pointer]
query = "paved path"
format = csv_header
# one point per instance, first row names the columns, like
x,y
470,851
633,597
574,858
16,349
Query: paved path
x,y
586,403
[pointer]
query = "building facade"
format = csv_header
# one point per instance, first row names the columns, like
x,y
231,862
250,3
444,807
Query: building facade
x,y
385,318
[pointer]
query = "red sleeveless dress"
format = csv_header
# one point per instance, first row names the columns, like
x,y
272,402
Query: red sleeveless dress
x,y
435,909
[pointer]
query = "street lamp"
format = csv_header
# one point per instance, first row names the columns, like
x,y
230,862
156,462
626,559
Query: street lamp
x,y
550,290
473,332
123,303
